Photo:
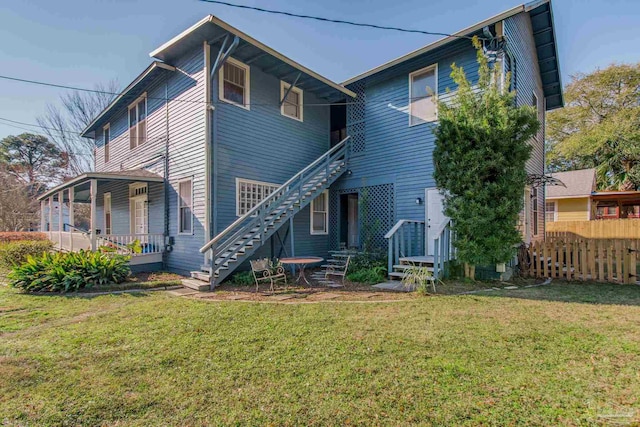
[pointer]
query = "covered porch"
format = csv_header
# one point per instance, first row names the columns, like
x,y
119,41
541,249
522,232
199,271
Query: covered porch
x,y
126,215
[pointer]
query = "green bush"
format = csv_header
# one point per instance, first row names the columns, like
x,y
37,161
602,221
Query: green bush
x,y
16,252
242,278
368,267
369,276
67,272
15,236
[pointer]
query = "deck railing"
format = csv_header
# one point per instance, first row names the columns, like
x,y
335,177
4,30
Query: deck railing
x,y
132,244
443,250
405,239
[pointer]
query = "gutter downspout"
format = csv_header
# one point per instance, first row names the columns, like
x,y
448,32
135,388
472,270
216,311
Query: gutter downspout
x,y
207,148
165,255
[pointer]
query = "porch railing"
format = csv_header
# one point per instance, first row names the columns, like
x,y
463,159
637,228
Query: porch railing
x,y
443,250
405,239
132,244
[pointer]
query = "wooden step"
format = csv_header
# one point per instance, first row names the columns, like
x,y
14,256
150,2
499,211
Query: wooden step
x,y
196,285
200,275
408,266
396,274
428,259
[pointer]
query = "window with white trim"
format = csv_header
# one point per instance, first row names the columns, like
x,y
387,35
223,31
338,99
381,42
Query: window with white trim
x,y
138,208
423,87
107,213
138,122
234,83
185,207
534,209
550,211
320,214
292,104
107,139
250,193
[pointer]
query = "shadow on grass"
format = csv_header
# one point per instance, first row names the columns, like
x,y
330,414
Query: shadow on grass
x,y
576,292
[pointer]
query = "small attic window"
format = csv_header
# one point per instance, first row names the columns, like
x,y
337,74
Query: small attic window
x,y
423,85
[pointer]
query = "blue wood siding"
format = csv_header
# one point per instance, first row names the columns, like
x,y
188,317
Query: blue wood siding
x,y
400,154
120,213
396,152
261,144
521,44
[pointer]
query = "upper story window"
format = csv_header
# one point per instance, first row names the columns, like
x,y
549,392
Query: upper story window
x,y
234,83
107,139
138,122
250,193
292,104
535,103
423,86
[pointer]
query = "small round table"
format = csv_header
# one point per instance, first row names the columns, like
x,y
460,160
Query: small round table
x,y
301,262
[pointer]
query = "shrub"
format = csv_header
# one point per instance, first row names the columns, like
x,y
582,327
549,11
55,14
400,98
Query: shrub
x,y
12,236
16,252
242,278
65,272
369,276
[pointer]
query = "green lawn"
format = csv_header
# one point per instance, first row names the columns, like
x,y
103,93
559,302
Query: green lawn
x,y
511,358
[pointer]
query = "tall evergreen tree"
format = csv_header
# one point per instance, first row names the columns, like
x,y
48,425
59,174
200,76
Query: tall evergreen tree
x,y
482,145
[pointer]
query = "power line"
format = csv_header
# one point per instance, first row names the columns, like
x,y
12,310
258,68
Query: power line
x,y
42,83
336,21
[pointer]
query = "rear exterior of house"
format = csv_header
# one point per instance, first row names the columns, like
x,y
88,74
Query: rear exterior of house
x,y
191,158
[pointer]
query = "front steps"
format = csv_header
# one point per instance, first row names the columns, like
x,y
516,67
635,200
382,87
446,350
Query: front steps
x,y
196,285
399,270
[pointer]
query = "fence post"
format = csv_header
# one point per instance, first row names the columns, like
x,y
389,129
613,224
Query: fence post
x,y
619,256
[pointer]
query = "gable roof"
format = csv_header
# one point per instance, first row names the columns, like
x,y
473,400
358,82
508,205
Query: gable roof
x,y
128,95
541,16
213,30
580,183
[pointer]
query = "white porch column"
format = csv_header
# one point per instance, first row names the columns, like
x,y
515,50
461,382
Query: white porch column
x,y
50,213
43,216
60,216
94,223
71,197
71,217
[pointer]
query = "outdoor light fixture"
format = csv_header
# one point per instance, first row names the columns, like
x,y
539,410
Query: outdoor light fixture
x,y
418,201
349,172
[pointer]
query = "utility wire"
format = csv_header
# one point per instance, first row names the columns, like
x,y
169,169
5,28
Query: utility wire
x,y
336,21
41,83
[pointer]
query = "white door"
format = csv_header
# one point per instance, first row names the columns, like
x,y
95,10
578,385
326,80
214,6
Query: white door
x,y
434,215
139,216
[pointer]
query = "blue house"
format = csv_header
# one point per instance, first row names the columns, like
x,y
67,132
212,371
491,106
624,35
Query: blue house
x,y
223,149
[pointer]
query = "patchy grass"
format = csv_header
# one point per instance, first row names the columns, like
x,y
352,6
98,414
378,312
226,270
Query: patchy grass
x,y
517,357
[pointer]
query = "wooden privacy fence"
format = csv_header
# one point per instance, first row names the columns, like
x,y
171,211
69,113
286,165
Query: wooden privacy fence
x,y
602,260
598,229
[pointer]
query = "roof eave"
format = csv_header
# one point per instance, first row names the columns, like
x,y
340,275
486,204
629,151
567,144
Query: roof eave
x,y
155,64
438,43
211,19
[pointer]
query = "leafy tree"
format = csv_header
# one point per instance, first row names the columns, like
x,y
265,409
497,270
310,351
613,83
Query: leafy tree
x,y
33,160
64,121
599,127
18,211
480,155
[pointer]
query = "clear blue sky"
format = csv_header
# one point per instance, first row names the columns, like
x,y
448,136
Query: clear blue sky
x,y
82,42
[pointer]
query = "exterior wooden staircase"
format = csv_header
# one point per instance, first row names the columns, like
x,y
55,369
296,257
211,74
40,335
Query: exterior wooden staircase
x,y
234,245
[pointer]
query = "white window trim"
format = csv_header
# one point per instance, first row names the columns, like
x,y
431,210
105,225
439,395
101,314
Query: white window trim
x,y
247,84
145,198
105,149
107,196
190,232
146,116
284,86
326,217
435,93
555,210
249,181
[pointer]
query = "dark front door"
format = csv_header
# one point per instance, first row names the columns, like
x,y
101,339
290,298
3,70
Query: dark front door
x,y
349,221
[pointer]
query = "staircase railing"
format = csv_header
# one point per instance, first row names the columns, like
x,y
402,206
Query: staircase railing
x,y
443,250
253,224
405,239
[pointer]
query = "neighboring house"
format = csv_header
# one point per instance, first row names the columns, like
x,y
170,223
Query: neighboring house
x,y
224,149
572,200
578,199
